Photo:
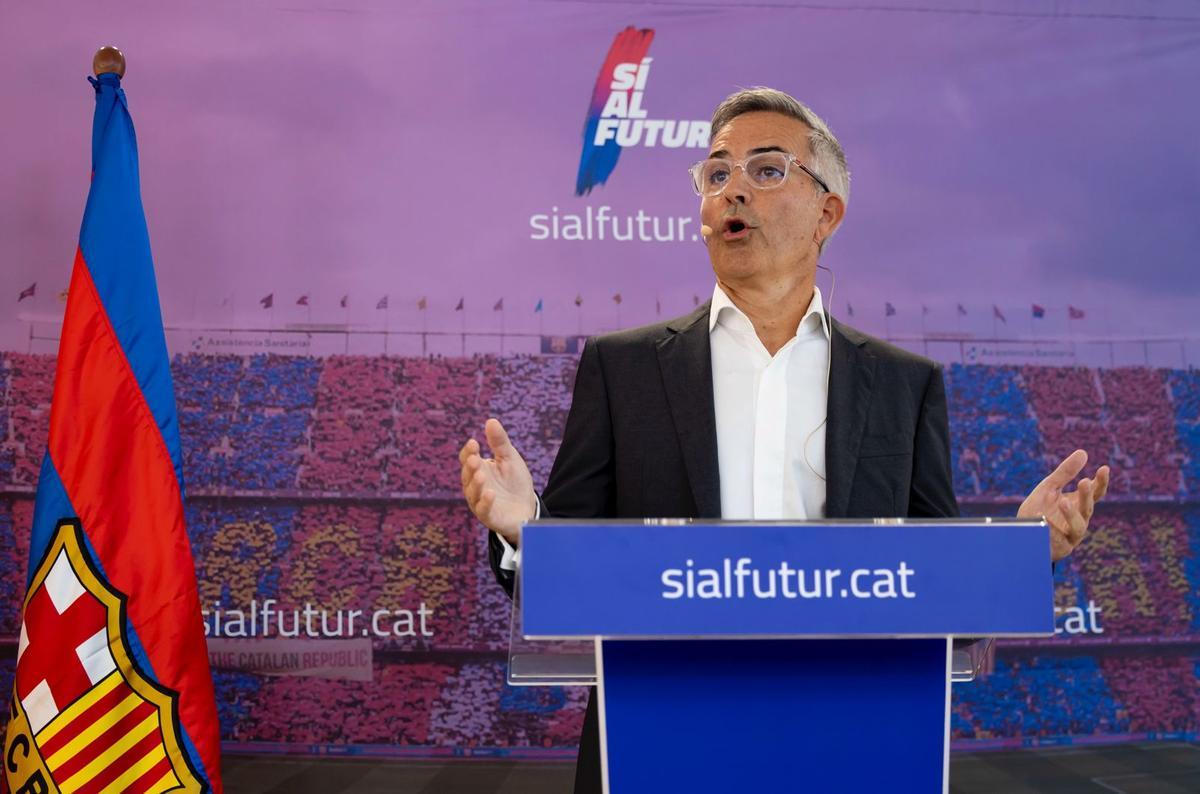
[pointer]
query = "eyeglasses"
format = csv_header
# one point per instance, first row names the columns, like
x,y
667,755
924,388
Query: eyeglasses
x,y
766,170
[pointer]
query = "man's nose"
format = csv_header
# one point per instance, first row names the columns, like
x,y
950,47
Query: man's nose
x,y
738,190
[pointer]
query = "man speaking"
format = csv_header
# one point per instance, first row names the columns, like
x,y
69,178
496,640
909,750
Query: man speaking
x,y
759,404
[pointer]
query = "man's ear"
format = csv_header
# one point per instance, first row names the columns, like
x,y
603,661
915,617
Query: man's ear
x,y
832,212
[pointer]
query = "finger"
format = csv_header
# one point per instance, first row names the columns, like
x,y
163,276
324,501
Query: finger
x,y
1075,527
1102,477
471,465
1067,471
1085,501
475,486
1060,523
486,499
468,449
497,439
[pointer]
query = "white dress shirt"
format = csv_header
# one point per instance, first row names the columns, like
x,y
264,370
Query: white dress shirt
x,y
770,414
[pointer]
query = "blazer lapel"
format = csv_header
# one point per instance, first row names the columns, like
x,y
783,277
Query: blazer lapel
x,y
685,359
851,376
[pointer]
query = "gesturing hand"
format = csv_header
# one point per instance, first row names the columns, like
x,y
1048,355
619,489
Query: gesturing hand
x,y
499,490
1067,513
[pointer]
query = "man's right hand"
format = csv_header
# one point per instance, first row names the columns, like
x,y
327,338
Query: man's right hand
x,y
499,490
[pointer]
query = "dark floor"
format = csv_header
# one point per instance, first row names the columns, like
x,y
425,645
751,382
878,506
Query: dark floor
x,y
1162,768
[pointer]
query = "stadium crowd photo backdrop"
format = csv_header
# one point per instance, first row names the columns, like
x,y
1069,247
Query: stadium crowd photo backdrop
x,y
376,225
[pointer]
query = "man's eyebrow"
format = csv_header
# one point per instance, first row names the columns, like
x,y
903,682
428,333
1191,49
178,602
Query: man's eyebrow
x,y
722,154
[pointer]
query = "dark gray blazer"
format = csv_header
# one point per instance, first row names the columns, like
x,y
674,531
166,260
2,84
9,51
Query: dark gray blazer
x,y
641,438
641,442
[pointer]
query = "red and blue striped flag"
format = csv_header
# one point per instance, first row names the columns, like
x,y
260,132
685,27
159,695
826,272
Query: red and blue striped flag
x,y
112,689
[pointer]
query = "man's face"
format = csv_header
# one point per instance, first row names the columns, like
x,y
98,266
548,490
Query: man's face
x,y
783,226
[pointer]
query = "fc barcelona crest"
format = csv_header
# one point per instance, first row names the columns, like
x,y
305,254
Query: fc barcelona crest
x,y
84,717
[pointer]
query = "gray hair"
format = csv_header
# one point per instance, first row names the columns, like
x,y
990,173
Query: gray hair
x,y
829,161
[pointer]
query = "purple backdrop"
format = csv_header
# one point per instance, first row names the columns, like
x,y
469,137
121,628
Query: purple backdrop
x,y
390,163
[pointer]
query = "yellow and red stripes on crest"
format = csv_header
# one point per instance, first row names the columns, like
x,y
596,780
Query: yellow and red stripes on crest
x,y
120,734
109,740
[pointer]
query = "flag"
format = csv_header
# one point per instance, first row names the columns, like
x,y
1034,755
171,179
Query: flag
x,y
538,308
1039,311
267,301
112,654
999,315
889,310
1074,314
381,303
460,305
849,310
499,307
302,300
578,299
422,303
961,311
617,298
28,292
345,301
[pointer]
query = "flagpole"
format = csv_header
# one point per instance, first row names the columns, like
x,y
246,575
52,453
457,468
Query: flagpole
x,y
135,519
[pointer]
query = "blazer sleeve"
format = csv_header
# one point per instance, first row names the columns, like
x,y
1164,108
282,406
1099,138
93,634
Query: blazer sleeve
x,y
581,483
932,490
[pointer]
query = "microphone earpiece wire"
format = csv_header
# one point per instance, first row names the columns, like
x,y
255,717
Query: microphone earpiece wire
x,y
828,365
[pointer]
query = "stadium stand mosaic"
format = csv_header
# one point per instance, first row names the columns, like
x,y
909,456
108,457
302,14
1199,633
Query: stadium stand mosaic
x,y
333,481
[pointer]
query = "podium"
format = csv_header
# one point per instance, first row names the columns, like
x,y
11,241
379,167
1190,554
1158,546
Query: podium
x,y
773,656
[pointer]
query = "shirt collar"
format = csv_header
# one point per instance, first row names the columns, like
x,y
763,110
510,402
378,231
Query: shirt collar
x,y
721,304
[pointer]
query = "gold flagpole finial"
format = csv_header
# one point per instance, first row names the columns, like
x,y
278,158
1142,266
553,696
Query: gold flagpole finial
x,y
108,60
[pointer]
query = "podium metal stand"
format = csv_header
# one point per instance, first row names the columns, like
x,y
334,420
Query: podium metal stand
x,y
777,656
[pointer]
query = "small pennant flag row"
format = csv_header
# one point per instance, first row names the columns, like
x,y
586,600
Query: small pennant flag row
x,y
1037,310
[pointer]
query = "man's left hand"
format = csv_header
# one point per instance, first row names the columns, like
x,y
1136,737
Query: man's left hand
x,y
1067,514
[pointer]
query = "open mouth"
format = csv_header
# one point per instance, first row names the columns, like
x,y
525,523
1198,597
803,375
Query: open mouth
x,y
735,229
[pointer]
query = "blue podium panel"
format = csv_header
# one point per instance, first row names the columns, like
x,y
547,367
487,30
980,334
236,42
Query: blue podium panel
x,y
775,715
698,690
933,578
